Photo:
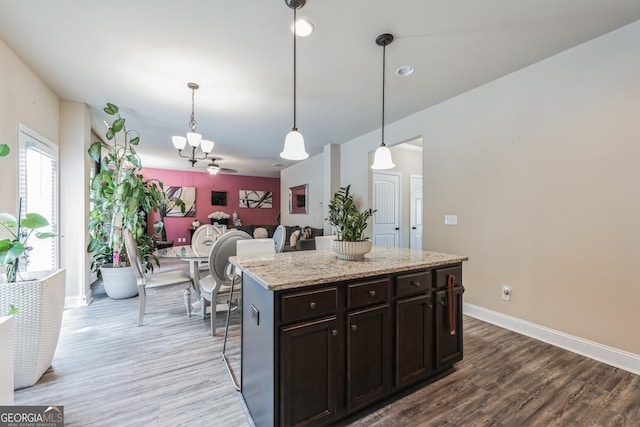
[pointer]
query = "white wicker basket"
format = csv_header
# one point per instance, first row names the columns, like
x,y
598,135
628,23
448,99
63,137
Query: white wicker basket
x,y
37,324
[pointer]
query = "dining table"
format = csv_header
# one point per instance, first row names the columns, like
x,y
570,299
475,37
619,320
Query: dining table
x,y
187,254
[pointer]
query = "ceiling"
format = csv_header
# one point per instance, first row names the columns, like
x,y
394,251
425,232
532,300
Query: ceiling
x,y
140,55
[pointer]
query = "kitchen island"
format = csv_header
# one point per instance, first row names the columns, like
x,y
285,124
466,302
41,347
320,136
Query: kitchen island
x,y
324,338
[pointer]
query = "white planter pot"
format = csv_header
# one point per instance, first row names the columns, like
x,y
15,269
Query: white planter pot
x,y
119,283
351,251
37,324
6,361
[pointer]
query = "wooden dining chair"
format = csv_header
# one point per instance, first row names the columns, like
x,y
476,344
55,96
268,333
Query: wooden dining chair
x,y
155,283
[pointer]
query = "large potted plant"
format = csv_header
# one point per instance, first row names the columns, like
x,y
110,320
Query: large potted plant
x,y
39,297
350,223
121,199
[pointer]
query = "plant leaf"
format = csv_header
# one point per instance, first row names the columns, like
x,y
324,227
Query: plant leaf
x,y
95,150
117,125
111,109
135,141
34,220
12,253
4,150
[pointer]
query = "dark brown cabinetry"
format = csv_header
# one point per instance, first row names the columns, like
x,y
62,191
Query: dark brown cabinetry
x,y
315,355
309,372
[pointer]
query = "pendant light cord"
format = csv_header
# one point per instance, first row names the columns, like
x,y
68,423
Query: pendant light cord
x,y
384,51
295,36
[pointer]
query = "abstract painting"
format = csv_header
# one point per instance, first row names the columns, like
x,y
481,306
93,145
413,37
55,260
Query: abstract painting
x,y
187,195
256,199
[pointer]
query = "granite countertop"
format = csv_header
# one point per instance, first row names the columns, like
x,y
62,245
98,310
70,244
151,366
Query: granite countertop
x,y
289,270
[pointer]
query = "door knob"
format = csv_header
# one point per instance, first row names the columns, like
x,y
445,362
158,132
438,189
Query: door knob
x,y
413,228
397,228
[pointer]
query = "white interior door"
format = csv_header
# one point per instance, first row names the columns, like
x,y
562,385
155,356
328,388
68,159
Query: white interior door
x,y
415,233
386,201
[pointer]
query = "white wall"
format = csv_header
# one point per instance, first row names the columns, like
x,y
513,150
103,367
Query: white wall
x,y
75,139
25,99
541,167
310,172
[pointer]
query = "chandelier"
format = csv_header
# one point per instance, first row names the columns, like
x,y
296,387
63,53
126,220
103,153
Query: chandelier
x,y
193,138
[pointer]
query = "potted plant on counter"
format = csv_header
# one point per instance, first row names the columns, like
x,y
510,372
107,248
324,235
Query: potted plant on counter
x,y
39,297
350,223
121,199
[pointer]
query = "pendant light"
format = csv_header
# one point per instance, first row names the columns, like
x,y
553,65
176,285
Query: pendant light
x,y
382,158
294,142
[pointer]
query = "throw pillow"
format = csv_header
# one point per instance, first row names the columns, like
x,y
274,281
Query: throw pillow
x,y
294,238
260,233
306,233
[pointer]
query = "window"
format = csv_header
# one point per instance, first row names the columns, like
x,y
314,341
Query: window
x,y
38,190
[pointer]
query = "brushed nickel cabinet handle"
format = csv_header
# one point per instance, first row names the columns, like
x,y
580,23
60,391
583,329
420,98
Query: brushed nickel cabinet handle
x,y
354,327
372,293
416,284
334,332
312,305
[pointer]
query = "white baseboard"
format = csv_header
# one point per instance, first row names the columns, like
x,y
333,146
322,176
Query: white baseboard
x,y
593,350
75,301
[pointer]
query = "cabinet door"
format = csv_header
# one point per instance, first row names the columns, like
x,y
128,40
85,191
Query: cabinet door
x,y
414,339
368,350
448,344
309,372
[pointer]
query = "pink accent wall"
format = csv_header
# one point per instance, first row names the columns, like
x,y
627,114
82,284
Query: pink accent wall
x,y
205,184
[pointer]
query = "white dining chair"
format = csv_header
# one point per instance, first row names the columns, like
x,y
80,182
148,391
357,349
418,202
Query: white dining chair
x,y
278,237
324,242
217,284
245,248
203,239
158,282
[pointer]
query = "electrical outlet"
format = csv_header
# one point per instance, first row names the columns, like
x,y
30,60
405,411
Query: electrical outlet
x,y
506,293
451,219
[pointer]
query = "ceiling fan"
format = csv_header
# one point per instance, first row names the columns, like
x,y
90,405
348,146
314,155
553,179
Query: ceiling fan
x,y
214,168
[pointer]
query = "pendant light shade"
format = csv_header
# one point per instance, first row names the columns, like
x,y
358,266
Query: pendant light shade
x,y
294,146
294,142
382,158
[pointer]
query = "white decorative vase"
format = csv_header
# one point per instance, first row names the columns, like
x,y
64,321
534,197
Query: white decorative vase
x,y
40,302
119,283
351,251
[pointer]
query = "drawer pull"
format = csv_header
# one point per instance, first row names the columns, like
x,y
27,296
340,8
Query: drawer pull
x,y
334,332
312,305
416,284
354,327
372,293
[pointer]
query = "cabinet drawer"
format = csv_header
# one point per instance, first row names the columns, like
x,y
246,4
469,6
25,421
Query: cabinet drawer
x,y
306,305
442,276
411,284
367,293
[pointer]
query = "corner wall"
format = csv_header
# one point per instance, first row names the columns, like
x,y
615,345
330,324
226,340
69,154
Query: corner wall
x,y
541,167
310,171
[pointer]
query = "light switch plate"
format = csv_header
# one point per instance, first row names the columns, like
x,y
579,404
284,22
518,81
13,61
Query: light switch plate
x,y
451,219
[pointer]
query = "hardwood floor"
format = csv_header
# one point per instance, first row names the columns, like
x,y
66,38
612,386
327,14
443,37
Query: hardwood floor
x,y
109,372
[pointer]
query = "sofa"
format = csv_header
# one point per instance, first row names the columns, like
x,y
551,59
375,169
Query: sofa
x,y
302,241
